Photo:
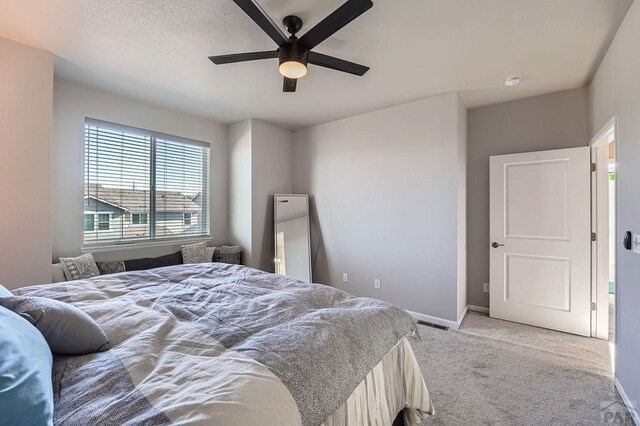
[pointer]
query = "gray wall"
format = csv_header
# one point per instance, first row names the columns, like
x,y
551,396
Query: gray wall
x,y
462,209
272,174
259,167
240,188
26,92
384,197
554,121
72,102
615,92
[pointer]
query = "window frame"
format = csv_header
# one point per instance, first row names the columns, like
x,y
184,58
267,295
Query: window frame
x,y
152,239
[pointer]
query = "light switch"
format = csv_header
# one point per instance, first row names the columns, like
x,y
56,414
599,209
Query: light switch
x,y
635,243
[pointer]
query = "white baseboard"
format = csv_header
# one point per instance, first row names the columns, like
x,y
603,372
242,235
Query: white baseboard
x,y
480,309
462,315
434,320
627,402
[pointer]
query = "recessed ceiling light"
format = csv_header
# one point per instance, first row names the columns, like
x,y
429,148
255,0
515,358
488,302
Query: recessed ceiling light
x,y
512,81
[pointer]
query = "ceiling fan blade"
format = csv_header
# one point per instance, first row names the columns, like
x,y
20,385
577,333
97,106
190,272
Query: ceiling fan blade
x,y
255,12
289,84
243,57
336,64
334,22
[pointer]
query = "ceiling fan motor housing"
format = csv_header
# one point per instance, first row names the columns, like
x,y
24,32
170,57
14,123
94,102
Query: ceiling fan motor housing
x,y
293,52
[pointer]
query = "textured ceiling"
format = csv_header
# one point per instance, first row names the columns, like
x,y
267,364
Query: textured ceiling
x,y
157,51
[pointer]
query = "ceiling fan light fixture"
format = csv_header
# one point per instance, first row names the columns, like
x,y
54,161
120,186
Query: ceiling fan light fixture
x,y
293,69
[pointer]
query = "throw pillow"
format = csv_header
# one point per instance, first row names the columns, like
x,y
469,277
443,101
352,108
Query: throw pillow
x,y
113,267
26,391
194,253
67,329
153,262
79,268
210,251
57,273
4,292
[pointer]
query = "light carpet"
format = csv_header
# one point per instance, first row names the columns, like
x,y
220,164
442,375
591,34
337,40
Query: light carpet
x,y
493,372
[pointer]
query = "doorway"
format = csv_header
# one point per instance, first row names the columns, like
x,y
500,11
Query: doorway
x,y
603,196
612,240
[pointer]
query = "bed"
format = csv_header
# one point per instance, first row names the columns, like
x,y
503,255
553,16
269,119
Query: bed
x,y
218,344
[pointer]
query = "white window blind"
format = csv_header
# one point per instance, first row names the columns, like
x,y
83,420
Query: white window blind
x,y
141,185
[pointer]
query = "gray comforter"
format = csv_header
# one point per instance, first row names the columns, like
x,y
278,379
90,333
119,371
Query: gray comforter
x,y
173,328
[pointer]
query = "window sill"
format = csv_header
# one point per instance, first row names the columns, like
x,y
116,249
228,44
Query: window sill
x,y
104,248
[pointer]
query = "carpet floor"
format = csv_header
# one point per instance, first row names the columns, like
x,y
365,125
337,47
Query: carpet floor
x,y
492,372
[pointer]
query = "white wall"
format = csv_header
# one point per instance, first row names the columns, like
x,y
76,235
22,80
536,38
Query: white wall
x,y
260,157
72,102
384,192
615,92
554,121
26,91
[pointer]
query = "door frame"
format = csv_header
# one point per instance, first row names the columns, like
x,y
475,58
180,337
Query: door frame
x,y
600,226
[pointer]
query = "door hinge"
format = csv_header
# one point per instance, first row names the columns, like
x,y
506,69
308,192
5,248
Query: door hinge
x,y
593,306
593,236
593,167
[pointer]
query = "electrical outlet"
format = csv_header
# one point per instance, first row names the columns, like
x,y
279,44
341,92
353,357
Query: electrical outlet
x,y
376,283
486,287
345,277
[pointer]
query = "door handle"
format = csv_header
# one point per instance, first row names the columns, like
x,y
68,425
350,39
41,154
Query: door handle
x,y
496,245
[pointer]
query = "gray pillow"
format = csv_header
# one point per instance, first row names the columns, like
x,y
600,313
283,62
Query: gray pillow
x,y
79,268
112,267
195,253
67,329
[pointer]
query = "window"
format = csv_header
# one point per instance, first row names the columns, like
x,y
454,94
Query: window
x,y
89,222
139,218
129,171
103,222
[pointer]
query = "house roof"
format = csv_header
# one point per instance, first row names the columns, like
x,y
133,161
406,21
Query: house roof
x,y
137,200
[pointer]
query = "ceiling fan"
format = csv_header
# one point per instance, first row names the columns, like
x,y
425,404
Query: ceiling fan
x,y
295,53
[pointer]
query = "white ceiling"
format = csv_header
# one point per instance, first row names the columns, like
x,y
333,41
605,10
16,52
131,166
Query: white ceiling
x,y
157,51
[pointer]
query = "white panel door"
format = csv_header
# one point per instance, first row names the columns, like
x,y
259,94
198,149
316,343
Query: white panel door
x,y
541,239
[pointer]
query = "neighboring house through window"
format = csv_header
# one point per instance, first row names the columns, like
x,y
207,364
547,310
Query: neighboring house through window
x,y
142,185
89,222
139,218
103,222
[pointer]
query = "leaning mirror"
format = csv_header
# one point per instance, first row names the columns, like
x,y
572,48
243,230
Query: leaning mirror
x,y
291,236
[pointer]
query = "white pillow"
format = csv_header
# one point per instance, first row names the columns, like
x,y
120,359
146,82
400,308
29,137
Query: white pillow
x,y
210,252
57,273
